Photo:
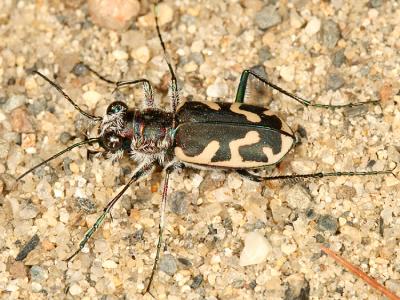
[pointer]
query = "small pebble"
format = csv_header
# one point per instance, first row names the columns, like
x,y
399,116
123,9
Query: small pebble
x,y
338,58
30,211
256,249
38,273
165,14
264,54
13,102
120,55
330,34
184,262
28,247
113,14
86,205
287,73
178,202
197,280
168,264
36,287
91,98
328,223
217,90
334,82
141,54
313,26
17,269
296,21
75,289
65,137
4,148
80,69
267,17
375,3
109,264
20,120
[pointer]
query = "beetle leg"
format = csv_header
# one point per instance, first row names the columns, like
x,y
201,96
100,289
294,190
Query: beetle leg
x,y
139,173
147,88
246,174
241,92
294,177
168,171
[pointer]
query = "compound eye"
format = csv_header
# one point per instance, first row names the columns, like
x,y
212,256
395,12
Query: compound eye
x,y
112,142
116,107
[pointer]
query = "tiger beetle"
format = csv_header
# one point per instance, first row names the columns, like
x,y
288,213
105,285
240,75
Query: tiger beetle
x,y
196,134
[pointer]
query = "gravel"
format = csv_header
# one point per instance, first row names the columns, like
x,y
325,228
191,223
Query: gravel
x,y
308,47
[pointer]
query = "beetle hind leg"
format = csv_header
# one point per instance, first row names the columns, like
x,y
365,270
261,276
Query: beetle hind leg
x,y
241,92
297,177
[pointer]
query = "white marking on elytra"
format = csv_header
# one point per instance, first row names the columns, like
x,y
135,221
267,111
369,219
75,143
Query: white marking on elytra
x,y
250,116
203,158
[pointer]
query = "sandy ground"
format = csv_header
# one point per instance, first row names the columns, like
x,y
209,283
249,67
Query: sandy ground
x,y
327,51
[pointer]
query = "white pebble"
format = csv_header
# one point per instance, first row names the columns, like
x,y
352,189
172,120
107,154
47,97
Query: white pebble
x,y
196,180
313,26
75,289
109,264
165,14
91,98
234,182
287,73
36,287
120,55
256,249
141,54
217,89
288,248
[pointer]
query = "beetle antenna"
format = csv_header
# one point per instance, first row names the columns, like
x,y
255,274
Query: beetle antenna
x,y
60,90
89,141
174,83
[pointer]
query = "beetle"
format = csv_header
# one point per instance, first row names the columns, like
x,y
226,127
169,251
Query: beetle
x,y
197,134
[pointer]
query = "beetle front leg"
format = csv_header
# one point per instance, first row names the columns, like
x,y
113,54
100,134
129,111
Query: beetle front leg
x,y
168,171
138,174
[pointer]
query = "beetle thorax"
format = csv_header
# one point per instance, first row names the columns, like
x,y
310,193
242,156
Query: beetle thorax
x,y
152,131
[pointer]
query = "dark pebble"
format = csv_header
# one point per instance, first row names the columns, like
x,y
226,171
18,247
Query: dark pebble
x,y
319,238
66,163
178,202
264,54
80,69
328,223
28,247
168,264
184,262
253,284
310,213
334,82
137,236
65,137
330,34
338,58
197,280
86,205
37,106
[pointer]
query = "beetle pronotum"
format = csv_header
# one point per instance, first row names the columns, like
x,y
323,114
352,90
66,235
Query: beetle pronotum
x,y
197,134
